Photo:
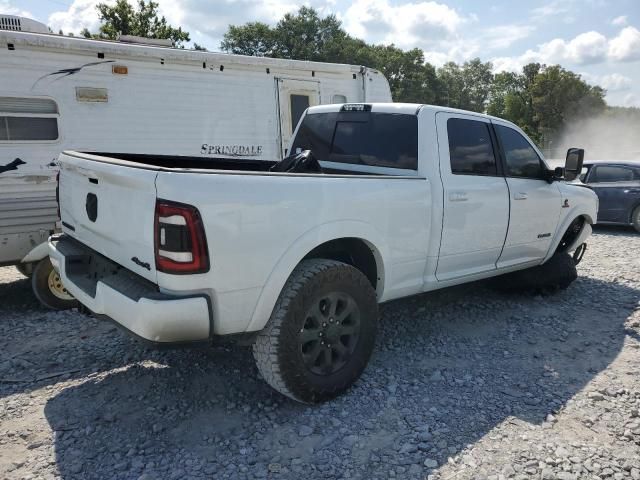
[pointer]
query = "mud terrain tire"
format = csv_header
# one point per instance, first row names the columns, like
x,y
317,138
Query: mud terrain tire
x,y
321,333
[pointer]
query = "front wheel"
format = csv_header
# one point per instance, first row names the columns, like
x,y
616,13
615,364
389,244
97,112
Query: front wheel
x,y
321,333
555,274
48,287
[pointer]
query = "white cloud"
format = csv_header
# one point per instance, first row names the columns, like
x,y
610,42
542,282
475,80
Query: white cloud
x,y
421,24
590,47
80,14
7,8
585,49
557,7
626,46
503,36
620,21
613,82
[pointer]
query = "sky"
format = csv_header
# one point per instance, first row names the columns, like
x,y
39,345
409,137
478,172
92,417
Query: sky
x,y
599,39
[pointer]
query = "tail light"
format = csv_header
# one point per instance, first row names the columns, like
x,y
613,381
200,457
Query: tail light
x,y
180,241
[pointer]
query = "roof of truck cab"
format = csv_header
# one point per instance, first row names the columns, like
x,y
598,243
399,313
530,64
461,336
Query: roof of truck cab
x,y
168,54
405,108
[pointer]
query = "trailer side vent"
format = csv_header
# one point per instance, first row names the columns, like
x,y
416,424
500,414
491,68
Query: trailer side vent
x,y
10,46
354,76
100,55
268,70
92,94
222,68
313,73
204,64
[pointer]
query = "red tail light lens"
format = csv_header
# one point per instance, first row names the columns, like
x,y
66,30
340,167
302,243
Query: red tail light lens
x,y
180,241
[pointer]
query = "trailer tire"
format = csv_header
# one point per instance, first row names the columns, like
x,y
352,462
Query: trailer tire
x,y
635,219
321,332
48,288
555,274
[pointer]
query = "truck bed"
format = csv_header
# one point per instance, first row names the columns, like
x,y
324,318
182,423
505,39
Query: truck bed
x,y
180,162
210,164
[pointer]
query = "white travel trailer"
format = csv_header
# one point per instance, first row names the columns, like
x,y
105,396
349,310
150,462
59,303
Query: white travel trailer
x,y
59,93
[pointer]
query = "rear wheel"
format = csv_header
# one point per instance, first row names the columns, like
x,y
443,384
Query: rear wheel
x,y
635,219
321,333
48,287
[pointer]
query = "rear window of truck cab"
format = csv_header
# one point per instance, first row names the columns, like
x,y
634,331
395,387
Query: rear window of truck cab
x,y
373,139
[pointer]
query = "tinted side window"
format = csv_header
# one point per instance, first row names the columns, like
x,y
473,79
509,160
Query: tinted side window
x,y
521,159
363,138
470,147
611,174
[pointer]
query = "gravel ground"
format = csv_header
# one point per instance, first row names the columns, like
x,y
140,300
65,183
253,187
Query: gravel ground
x,y
466,383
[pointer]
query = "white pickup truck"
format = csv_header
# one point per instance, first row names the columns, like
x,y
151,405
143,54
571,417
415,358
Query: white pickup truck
x,y
410,198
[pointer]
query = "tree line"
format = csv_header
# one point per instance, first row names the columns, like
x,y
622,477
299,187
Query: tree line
x,y
541,99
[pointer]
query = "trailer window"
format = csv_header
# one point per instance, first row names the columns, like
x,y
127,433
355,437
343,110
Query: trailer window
x,y
361,138
28,119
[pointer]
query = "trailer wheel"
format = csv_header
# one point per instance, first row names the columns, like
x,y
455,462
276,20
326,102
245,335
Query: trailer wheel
x,y
48,287
635,219
321,333
557,273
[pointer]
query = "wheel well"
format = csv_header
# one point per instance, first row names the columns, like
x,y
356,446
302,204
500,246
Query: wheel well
x,y
353,251
574,229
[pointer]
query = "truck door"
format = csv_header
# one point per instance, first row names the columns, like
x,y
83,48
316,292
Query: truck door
x,y
535,203
476,198
294,97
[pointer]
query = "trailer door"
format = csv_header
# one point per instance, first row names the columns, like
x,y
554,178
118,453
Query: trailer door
x,y
294,97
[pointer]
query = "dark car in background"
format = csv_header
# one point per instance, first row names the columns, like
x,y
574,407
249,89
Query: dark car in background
x,y
617,185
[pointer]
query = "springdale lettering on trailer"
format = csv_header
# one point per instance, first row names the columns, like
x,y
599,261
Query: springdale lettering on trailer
x,y
232,150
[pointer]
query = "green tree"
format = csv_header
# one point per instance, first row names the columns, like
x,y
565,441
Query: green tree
x,y
254,38
307,36
560,96
467,86
123,19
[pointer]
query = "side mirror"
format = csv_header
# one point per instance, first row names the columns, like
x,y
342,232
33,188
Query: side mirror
x,y
573,163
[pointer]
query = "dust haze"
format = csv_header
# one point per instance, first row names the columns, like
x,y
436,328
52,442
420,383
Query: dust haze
x,y
606,137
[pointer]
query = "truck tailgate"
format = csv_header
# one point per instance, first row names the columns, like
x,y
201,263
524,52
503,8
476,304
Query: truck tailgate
x,y
110,208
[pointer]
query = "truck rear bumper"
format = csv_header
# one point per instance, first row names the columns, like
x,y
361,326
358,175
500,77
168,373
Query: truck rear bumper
x,y
134,303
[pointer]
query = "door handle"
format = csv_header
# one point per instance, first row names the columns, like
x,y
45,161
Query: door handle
x,y
458,197
632,190
520,196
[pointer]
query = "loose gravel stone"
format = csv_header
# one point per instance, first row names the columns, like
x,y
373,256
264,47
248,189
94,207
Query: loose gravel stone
x,y
465,383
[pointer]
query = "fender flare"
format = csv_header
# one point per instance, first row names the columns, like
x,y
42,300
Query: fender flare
x,y
301,247
36,254
562,228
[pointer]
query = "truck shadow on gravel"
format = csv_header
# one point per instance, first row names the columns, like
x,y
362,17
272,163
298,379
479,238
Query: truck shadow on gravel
x,y
449,367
